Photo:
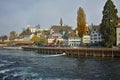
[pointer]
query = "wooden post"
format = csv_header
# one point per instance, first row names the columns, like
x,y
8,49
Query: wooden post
x,y
103,55
86,53
112,54
94,54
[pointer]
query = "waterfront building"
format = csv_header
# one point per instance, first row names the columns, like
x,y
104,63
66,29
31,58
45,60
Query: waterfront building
x,y
53,38
73,40
118,35
86,39
33,29
68,35
118,21
64,34
25,38
96,36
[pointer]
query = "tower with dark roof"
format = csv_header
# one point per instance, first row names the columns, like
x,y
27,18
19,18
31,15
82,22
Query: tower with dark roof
x,y
61,22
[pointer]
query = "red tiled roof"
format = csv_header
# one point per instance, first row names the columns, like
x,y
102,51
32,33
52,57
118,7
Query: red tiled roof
x,y
71,32
58,28
96,27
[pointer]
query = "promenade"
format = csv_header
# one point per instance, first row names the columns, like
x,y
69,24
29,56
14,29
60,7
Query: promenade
x,y
78,52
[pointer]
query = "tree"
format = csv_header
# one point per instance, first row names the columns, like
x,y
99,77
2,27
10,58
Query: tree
x,y
58,42
43,40
28,31
35,38
81,24
25,32
13,35
39,41
3,37
61,42
108,24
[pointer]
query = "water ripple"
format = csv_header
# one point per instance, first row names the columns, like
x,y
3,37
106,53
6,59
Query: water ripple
x,y
25,65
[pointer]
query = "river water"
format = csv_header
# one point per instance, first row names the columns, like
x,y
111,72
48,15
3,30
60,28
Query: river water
x,y
29,65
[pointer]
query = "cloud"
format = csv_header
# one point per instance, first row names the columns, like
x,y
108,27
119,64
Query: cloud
x,y
16,14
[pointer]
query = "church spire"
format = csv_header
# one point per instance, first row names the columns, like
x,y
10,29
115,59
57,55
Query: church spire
x,y
61,22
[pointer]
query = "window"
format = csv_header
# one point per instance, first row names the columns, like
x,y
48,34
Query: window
x,y
95,35
95,38
94,29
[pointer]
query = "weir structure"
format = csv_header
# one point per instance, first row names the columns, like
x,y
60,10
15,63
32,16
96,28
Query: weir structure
x,y
78,52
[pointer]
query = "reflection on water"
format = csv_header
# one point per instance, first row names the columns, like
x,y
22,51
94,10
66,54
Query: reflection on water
x,y
28,65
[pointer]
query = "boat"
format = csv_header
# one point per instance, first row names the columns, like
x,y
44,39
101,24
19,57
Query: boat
x,y
53,55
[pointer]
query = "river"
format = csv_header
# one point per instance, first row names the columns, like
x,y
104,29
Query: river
x,y
29,65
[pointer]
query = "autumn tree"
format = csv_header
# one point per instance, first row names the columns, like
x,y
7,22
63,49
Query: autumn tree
x,y
43,40
35,38
58,42
108,24
81,24
39,41
61,42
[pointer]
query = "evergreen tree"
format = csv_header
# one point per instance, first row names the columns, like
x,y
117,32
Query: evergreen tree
x,y
3,37
25,32
108,24
81,24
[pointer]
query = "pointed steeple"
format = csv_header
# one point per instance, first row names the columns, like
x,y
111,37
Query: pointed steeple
x,y
61,22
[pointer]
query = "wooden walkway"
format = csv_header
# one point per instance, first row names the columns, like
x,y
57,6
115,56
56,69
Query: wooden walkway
x,y
78,52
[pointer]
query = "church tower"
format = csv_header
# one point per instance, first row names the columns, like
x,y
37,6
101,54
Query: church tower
x,y
61,22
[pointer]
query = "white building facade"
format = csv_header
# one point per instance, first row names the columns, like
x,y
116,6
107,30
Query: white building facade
x,y
86,39
118,35
74,41
33,29
55,37
95,35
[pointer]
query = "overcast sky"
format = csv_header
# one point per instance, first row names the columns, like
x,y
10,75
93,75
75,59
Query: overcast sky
x,y
16,14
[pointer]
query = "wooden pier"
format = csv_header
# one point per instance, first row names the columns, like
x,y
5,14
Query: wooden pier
x,y
78,52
